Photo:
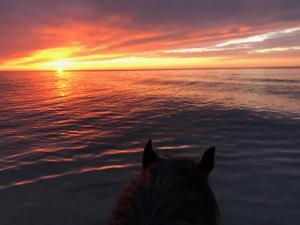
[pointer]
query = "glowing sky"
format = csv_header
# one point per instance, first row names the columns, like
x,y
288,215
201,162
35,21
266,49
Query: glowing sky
x,y
148,34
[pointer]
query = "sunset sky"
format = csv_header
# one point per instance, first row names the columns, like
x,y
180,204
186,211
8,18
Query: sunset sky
x,y
148,34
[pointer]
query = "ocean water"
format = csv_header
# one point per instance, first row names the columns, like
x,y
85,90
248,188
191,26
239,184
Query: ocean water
x,y
70,141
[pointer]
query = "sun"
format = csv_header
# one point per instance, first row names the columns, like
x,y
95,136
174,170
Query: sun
x,y
60,66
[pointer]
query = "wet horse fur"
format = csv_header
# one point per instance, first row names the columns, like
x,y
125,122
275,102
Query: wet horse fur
x,y
169,191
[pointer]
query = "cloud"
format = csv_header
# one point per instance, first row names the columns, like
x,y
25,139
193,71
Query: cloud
x,y
275,42
115,28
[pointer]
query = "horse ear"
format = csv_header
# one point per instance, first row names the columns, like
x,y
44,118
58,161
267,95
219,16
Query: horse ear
x,y
149,156
206,164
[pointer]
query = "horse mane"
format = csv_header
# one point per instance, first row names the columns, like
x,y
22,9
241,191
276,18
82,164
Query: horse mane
x,y
171,191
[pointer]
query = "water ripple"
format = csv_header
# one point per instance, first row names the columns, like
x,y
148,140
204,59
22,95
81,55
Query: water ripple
x,y
64,127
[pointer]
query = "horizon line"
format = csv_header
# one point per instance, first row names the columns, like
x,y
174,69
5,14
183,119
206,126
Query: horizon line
x,y
154,69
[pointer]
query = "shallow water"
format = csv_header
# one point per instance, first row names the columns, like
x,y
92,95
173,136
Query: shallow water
x,y
70,141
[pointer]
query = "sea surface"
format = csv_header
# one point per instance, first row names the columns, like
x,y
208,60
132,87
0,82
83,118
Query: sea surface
x,y
70,141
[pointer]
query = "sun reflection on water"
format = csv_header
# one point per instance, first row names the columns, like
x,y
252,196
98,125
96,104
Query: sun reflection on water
x,y
63,83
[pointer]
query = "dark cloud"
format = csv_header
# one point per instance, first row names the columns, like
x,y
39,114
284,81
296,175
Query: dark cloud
x,y
198,13
152,13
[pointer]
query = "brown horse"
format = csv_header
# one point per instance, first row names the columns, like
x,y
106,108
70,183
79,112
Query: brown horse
x,y
169,191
